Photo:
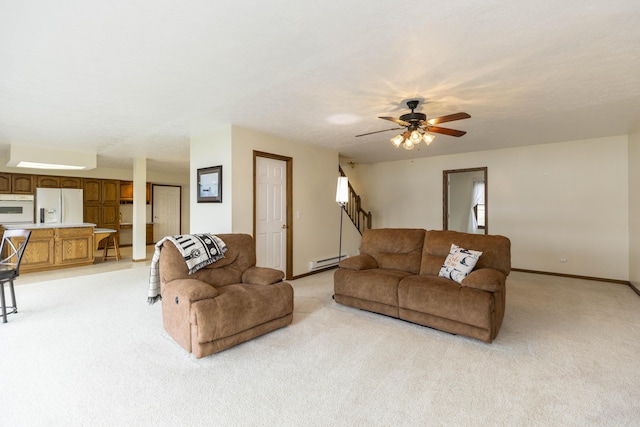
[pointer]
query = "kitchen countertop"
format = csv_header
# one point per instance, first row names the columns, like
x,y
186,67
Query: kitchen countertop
x,y
30,226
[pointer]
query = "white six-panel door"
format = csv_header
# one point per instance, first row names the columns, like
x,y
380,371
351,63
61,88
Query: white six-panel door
x,y
271,213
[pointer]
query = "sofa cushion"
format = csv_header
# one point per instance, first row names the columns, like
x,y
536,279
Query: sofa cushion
x,y
240,307
377,285
459,263
496,250
394,248
446,299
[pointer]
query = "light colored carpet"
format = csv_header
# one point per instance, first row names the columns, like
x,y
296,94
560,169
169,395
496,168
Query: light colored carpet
x,y
89,351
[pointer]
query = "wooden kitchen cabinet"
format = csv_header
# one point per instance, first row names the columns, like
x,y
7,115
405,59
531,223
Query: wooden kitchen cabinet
x,y
126,192
22,184
110,191
102,203
70,182
5,183
92,190
45,181
74,246
40,251
52,248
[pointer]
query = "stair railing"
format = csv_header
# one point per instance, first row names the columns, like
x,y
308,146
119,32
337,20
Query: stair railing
x,y
360,218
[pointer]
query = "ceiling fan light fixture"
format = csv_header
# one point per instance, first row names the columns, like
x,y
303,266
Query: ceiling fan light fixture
x,y
428,138
408,144
415,136
397,140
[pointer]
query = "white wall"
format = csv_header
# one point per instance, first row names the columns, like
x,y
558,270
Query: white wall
x,y
567,199
207,150
634,206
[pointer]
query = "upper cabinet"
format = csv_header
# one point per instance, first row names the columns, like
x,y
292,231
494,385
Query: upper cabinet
x,y
126,192
101,190
22,184
16,183
5,183
110,191
46,181
92,190
70,182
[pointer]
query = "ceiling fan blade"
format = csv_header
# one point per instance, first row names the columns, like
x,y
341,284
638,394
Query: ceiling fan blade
x,y
378,131
446,131
394,120
449,118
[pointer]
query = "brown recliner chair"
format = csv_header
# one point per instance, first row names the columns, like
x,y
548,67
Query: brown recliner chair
x,y
223,304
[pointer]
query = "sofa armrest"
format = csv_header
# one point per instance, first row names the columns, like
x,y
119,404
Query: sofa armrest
x,y
486,279
189,289
359,262
262,276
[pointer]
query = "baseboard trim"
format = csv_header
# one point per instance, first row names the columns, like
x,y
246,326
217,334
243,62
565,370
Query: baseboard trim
x,y
311,273
574,276
635,289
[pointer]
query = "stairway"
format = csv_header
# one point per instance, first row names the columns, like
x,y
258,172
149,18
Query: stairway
x,y
360,218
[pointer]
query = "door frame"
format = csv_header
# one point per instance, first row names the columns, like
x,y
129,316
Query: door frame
x,y
289,165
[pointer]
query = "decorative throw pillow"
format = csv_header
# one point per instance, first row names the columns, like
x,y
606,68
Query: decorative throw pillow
x,y
459,263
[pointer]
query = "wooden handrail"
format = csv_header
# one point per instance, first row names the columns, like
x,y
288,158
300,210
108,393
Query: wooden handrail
x,y
360,218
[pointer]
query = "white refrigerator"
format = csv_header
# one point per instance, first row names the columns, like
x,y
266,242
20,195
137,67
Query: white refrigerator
x,y
59,206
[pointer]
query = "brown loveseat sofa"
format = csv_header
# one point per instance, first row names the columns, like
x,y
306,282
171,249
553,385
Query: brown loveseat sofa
x,y
225,303
396,274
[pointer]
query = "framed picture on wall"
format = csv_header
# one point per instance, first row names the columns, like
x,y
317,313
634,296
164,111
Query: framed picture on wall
x,y
210,185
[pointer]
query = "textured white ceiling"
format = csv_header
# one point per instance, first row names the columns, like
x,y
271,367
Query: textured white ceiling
x,y
133,78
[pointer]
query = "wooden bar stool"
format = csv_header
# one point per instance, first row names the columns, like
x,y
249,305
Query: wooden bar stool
x,y
110,242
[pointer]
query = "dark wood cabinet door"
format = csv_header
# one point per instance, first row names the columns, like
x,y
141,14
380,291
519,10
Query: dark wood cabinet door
x,y
5,183
92,191
22,184
70,182
44,181
110,191
92,214
126,191
110,216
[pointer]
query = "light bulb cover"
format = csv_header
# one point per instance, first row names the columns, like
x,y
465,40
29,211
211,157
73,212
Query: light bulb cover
x,y
342,190
415,137
397,140
408,144
428,138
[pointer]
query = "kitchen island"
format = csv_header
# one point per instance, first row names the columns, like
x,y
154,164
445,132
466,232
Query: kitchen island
x,y
53,245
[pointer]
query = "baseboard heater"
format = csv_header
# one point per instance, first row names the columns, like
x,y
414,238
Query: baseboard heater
x,y
327,262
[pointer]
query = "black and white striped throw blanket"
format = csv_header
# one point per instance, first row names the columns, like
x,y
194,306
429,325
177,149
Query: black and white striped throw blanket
x,y
198,250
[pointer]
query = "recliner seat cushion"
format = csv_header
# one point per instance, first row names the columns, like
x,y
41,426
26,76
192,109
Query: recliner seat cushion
x,y
447,299
377,285
240,307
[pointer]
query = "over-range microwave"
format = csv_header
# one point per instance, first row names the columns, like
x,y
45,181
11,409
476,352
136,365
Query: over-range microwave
x,y
16,208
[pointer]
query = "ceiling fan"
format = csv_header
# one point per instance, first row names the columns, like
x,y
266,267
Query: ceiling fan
x,y
417,127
